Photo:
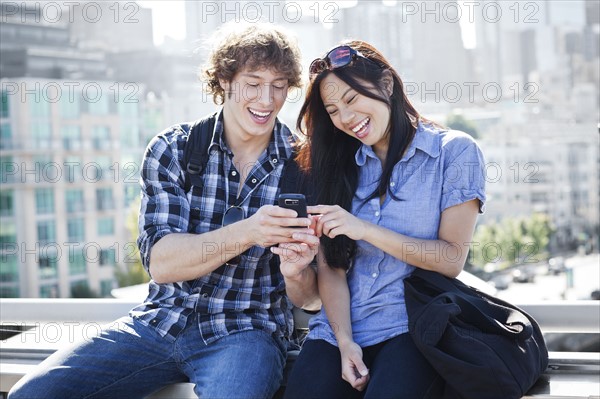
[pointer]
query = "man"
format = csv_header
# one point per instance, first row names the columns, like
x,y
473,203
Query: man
x,y
216,313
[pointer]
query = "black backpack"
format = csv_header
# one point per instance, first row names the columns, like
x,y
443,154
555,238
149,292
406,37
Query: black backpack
x,y
195,158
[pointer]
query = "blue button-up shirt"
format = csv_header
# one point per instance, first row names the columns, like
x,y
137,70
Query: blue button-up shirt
x,y
440,169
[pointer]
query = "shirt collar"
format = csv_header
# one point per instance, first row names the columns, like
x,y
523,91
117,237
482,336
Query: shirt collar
x,y
427,139
279,148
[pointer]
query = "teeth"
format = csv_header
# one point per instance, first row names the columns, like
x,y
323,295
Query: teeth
x,y
260,114
360,126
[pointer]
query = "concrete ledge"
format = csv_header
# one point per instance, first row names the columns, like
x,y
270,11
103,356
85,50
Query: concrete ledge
x,y
569,375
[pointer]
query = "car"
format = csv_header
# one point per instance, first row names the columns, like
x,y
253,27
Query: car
x,y
501,281
556,265
524,274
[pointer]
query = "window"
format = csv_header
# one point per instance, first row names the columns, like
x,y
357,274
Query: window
x,y
48,266
41,134
74,199
128,110
70,106
77,263
5,136
46,232
99,107
106,287
76,230
9,292
130,193
106,227
8,233
49,291
101,137
7,203
9,268
39,107
44,201
73,168
7,169
107,257
104,199
103,165
4,110
80,289
71,137
130,136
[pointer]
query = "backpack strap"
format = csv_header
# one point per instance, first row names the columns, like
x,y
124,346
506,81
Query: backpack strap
x,y
195,159
195,154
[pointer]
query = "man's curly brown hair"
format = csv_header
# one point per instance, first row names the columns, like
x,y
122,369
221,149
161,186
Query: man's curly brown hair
x,y
254,47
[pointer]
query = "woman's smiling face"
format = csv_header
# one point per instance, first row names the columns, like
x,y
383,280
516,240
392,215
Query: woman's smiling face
x,y
357,115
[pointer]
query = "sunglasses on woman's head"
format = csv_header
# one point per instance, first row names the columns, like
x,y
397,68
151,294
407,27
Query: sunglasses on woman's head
x,y
339,57
232,215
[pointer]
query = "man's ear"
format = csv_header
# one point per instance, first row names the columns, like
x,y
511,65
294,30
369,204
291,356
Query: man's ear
x,y
388,82
226,86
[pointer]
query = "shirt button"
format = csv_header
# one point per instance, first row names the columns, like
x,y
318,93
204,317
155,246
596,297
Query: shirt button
x,y
254,180
392,184
233,173
374,275
377,213
274,160
205,295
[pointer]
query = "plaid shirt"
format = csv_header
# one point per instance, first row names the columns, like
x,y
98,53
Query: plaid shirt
x,y
231,298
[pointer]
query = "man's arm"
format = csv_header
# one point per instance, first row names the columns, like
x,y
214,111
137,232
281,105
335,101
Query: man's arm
x,y
168,251
300,277
182,256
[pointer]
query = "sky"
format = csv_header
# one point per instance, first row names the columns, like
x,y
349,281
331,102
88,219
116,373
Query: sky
x,y
167,17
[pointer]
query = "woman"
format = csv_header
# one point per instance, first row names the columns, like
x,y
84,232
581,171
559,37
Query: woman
x,y
400,192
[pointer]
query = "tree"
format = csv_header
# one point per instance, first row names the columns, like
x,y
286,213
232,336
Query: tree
x,y
512,241
133,271
458,122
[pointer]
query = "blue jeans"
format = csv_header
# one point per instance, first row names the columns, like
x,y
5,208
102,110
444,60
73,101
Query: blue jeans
x,y
130,360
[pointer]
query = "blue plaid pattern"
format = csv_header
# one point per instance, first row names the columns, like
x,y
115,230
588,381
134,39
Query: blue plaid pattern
x,y
248,296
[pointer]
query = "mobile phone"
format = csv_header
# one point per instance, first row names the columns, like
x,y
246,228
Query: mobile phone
x,y
296,202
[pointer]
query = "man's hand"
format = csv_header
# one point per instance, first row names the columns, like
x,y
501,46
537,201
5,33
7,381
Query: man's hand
x,y
272,225
296,256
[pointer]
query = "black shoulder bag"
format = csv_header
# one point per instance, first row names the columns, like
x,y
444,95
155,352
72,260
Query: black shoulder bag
x,y
483,347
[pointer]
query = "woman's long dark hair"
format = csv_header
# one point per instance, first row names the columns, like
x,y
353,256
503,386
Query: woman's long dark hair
x,y
329,154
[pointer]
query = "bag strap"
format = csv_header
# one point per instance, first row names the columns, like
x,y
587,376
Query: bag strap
x,y
486,311
195,154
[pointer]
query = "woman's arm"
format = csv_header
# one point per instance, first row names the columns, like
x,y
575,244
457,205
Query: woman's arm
x,y
446,255
335,296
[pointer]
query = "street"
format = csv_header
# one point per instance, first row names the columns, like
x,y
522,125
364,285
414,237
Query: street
x,y
585,279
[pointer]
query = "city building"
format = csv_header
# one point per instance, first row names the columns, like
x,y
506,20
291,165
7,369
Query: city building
x,y
550,167
70,161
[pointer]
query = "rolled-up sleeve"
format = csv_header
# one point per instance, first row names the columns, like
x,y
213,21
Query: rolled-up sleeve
x,y
164,205
464,172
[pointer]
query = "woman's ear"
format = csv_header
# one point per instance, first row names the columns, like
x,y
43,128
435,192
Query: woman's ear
x,y
388,82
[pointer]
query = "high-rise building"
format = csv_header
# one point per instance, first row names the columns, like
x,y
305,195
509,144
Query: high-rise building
x,y
70,150
69,159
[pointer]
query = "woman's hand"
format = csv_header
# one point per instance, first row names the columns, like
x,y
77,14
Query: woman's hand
x,y
335,220
353,368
